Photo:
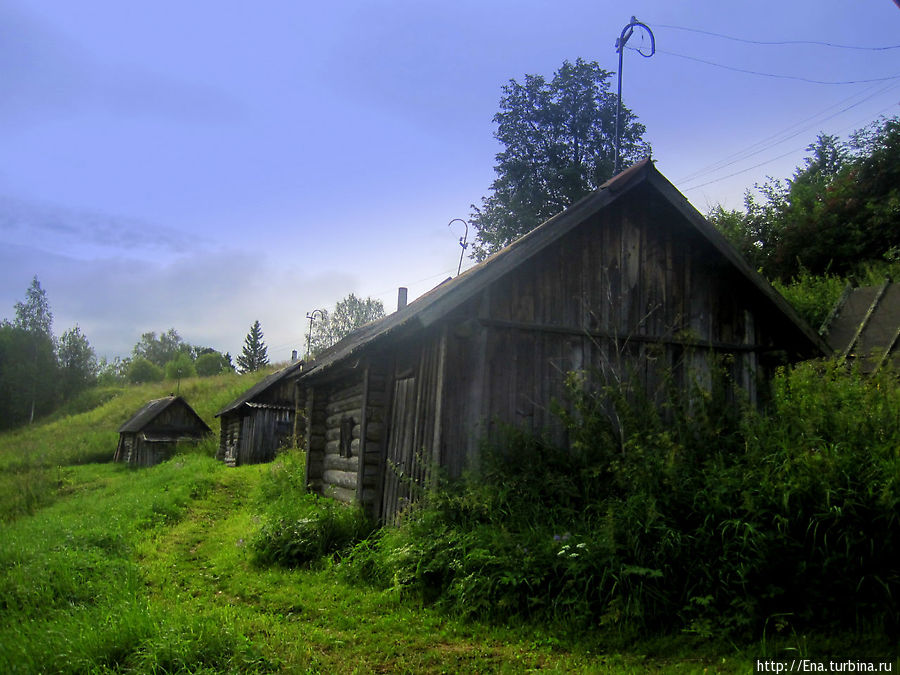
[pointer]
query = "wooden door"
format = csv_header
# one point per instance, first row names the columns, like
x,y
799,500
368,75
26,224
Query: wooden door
x,y
402,442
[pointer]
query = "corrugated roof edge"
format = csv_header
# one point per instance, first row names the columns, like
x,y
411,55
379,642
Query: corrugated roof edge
x,y
261,386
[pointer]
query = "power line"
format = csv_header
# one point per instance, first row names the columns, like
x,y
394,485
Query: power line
x,y
768,161
776,75
751,150
778,43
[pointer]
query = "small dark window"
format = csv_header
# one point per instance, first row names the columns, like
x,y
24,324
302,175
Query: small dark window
x,y
346,436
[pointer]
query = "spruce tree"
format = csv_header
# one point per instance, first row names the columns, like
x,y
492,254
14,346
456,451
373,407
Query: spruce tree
x,y
253,357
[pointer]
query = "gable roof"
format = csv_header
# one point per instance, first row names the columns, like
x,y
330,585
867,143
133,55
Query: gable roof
x,y
261,386
151,410
438,302
866,322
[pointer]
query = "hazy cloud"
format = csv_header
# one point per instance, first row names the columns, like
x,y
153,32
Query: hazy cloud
x,y
210,298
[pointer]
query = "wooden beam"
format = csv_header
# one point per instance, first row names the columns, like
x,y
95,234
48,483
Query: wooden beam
x,y
866,319
606,335
363,429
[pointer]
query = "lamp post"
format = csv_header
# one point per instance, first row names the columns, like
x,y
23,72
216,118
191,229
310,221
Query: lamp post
x,y
620,47
311,316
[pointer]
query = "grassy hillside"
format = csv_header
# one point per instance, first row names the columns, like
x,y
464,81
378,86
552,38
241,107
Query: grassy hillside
x,y
34,460
105,568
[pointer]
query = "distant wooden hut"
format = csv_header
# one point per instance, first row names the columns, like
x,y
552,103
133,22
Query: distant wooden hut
x,y
864,326
631,281
153,433
261,420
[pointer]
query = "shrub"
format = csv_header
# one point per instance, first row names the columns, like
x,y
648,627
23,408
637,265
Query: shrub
x,y
141,370
320,527
693,518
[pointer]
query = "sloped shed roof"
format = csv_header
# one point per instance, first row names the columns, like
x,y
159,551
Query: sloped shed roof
x,y
438,302
154,409
261,386
866,323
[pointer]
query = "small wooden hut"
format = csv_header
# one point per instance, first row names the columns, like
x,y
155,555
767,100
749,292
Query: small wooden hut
x,y
153,433
864,326
261,420
630,281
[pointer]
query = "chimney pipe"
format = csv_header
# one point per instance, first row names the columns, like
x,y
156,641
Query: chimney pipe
x,y
401,298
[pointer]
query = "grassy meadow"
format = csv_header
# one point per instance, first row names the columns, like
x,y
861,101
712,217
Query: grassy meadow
x,y
192,567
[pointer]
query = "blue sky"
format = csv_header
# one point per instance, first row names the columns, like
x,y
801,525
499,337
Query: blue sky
x,y
201,165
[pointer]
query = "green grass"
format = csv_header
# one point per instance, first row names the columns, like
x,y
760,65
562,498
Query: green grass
x,y
109,569
150,571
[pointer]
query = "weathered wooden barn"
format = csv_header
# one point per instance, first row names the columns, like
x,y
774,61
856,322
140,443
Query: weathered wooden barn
x,y
261,420
629,281
153,433
864,326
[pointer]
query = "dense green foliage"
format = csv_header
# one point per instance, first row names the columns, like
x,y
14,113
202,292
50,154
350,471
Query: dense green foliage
x,y
558,142
696,519
838,212
348,315
301,528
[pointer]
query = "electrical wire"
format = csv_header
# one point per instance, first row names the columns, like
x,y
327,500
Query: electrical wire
x,y
777,43
775,75
780,137
773,159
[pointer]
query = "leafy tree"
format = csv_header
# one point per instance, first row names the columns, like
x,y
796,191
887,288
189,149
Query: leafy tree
x,y
34,314
559,144
160,350
141,370
180,367
348,315
27,375
112,372
38,378
839,212
212,363
77,362
254,356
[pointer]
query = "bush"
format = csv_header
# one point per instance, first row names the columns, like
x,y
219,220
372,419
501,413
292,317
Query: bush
x,y
320,527
302,528
698,519
141,371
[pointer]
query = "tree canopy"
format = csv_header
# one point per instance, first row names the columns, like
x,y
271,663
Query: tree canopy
x,y
348,315
839,211
559,144
162,349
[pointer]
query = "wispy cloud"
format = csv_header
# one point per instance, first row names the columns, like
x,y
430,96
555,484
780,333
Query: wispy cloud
x,y
83,233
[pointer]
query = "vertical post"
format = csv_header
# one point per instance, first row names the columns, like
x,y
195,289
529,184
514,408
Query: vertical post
x,y
620,47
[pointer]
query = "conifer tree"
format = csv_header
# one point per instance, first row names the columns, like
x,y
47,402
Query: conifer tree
x,y
253,357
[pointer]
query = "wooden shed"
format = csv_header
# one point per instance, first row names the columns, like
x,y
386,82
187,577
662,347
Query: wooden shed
x,y
864,326
629,281
261,420
153,433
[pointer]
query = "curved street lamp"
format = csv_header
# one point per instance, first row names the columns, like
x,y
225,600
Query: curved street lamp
x,y
462,241
311,316
620,47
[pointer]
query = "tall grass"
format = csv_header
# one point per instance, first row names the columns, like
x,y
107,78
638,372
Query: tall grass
x,y
698,519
